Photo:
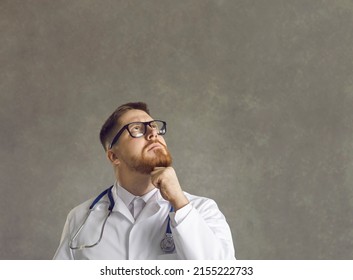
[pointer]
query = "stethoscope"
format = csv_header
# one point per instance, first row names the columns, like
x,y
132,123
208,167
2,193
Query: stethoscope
x,y
167,243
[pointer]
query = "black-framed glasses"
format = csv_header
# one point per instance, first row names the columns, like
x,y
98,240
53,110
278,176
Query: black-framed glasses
x,y
139,129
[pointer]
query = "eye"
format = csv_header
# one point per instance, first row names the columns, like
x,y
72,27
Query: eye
x,y
135,127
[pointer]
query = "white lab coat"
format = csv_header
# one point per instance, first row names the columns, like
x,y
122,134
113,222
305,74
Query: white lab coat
x,y
202,234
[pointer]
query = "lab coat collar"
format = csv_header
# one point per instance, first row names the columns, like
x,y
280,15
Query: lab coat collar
x,y
125,196
120,206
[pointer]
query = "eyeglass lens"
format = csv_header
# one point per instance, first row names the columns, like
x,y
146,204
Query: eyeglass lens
x,y
138,129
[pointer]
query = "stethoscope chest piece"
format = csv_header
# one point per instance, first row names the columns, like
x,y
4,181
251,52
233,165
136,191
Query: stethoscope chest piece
x,y
167,243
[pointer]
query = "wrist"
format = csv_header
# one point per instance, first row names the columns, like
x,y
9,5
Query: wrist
x,y
180,202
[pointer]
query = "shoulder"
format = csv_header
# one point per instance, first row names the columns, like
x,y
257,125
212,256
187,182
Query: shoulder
x,y
80,210
85,205
200,202
197,198
100,201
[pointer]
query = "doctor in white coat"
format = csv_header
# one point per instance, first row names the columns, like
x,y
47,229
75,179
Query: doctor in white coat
x,y
151,217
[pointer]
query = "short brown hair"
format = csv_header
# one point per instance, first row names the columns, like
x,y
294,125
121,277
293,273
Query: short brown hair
x,y
112,122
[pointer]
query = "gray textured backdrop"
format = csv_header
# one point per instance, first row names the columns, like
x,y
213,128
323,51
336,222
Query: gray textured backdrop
x,y
258,97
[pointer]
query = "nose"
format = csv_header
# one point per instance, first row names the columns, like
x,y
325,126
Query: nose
x,y
151,133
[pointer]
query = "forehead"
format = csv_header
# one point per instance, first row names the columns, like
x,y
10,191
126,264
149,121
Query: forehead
x,y
134,116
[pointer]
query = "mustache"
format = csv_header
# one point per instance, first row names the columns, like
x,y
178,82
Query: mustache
x,y
154,142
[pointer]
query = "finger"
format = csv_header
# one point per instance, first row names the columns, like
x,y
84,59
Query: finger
x,y
158,168
156,182
155,173
156,176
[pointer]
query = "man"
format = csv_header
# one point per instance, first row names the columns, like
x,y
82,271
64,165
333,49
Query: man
x,y
151,216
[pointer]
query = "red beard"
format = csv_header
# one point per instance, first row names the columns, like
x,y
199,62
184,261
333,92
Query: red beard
x,y
146,164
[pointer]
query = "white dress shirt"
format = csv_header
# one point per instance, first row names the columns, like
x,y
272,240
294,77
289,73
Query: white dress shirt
x,y
135,204
131,203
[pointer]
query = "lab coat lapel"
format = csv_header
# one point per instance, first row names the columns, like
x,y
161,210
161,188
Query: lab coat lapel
x,y
152,207
122,208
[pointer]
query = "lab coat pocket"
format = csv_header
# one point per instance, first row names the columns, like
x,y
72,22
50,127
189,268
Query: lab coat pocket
x,y
168,257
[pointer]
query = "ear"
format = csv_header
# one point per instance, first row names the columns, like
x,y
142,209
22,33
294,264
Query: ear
x,y
113,158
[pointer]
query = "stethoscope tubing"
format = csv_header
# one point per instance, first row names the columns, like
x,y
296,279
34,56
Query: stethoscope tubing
x,y
168,235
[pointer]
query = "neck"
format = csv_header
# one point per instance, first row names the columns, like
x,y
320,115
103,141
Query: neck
x,y
136,183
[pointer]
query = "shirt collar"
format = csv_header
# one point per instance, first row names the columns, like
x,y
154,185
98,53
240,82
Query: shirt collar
x,y
128,197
